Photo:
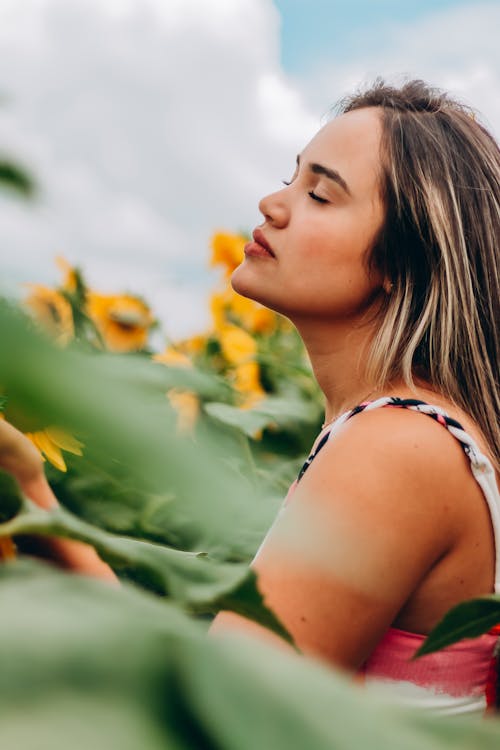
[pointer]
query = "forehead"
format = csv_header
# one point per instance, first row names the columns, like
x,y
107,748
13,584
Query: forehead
x,y
350,144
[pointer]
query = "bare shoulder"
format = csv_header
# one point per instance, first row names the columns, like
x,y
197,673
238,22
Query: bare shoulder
x,y
370,520
393,461
367,522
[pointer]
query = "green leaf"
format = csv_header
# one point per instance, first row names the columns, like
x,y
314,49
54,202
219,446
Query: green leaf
x,y
274,412
10,501
249,421
98,666
198,583
246,600
15,178
78,662
117,407
467,620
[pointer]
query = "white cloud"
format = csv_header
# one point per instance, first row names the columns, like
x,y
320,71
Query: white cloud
x,y
149,124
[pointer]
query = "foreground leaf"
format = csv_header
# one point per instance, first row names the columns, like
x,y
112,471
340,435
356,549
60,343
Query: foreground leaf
x,y
13,177
199,584
467,620
120,670
117,407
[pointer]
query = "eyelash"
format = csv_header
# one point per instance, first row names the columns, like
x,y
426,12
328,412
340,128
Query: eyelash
x,y
310,193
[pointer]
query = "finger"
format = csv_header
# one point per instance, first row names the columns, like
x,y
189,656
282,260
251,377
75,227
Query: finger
x,y
18,455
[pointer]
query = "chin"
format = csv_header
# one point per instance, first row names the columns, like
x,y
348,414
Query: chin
x,y
241,281
243,284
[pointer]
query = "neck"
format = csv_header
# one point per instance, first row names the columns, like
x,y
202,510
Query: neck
x,y
338,353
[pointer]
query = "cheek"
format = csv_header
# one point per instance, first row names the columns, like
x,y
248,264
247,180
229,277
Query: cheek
x,y
341,248
330,253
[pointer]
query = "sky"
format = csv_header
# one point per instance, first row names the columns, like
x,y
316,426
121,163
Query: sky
x,y
323,31
150,124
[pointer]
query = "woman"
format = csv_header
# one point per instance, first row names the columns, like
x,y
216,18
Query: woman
x,y
383,251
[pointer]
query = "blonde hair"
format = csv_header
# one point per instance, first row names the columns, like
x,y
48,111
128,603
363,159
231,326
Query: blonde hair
x,y
439,248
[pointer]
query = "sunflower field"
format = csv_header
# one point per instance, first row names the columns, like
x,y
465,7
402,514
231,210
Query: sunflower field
x,y
172,464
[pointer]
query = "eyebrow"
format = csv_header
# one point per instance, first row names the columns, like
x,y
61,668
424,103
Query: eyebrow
x,y
332,174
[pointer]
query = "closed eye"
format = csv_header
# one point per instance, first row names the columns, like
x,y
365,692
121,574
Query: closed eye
x,y
313,195
316,197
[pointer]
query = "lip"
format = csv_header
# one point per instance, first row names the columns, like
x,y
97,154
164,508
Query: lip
x,y
259,239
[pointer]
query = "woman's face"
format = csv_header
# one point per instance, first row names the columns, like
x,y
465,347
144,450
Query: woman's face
x,y
320,227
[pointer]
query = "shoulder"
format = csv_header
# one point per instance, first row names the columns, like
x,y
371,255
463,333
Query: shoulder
x,y
369,519
392,464
400,439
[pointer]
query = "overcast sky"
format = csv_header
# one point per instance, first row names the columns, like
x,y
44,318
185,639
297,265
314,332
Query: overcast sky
x,y
151,123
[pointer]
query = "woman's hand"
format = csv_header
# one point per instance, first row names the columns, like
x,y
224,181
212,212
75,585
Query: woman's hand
x,y
20,458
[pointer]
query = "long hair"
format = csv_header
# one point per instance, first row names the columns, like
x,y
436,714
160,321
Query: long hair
x,y
439,247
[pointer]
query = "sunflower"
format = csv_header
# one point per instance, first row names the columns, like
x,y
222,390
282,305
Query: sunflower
x,y
227,250
124,321
240,349
247,383
228,306
237,345
53,311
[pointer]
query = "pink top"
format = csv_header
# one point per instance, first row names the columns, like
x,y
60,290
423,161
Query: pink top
x,y
459,678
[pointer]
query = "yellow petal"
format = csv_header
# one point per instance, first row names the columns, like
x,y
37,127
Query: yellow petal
x,y
122,320
172,357
237,345
227,250
264,320
247,382
247,313
194,345
52,311
32,437
64,440
218,303
49,449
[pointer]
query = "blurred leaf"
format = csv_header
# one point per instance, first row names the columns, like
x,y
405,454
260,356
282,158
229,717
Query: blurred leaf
x,y
94,666
10,502
199,584
272,412
117,407
250,421
107,496
467,620
15,178
74,645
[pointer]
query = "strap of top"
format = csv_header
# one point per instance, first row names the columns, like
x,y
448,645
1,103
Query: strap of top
x,y
481,466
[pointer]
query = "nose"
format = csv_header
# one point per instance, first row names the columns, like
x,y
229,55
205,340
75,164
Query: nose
x,y
274,208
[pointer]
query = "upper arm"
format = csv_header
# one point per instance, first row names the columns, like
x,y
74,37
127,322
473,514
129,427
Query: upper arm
x,y
367,521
